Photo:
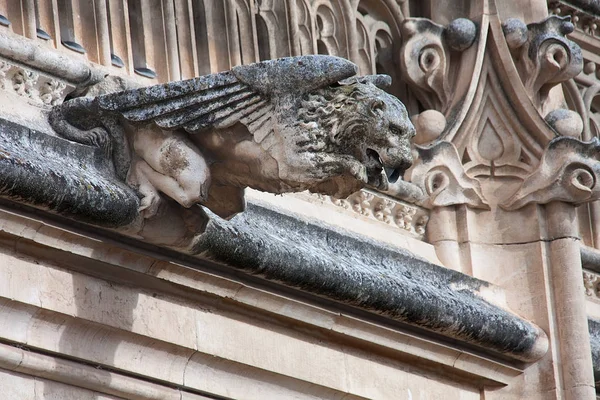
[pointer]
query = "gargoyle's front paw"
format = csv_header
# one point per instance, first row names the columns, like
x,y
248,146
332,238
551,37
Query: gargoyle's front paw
x,y
149,205
359,171
97,137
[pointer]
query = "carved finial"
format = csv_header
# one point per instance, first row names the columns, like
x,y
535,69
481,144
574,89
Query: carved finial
x,y
461,34
565,122
429,126
515,32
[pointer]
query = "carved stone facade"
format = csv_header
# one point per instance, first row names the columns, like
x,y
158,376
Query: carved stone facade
x,y
299,199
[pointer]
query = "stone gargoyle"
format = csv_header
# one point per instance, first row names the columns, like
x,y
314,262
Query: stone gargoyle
x,y
286,125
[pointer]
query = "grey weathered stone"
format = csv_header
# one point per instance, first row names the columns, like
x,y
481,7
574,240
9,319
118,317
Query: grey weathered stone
x,y
460,34
369,276
68,179
594,328
515,32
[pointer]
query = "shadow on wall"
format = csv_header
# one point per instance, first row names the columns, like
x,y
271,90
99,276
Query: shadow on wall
x,y
95,300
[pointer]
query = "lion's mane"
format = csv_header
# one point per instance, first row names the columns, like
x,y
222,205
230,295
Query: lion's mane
x,y
330,114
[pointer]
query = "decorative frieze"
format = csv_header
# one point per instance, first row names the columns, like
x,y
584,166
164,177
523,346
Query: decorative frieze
x,y
409,218
584,21
39,89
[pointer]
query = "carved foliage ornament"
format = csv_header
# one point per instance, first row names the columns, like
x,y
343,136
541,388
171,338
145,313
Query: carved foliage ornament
x,y
439,173
543,55
426,54
569,171
278,126
38,88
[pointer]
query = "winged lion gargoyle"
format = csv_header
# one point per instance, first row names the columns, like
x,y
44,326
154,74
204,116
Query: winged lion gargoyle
x,y
284,125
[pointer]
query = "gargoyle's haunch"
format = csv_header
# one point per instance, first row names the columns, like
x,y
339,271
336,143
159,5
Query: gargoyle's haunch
x,y
286,125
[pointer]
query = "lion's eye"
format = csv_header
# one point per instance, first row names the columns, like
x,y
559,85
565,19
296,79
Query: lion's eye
x,y
396,130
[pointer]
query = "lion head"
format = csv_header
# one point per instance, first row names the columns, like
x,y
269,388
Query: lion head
x,y
355,134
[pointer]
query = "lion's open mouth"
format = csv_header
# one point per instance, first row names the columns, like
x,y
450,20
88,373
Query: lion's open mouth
x,y
375,163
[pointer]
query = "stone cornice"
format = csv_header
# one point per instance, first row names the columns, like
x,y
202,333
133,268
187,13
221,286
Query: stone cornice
x,y
355,273
115,262
369,276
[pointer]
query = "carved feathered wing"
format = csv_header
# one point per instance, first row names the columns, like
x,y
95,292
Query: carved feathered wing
x,y
245,94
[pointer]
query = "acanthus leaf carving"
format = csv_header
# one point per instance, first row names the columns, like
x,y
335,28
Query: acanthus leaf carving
x,y
569,171
279,126
439,172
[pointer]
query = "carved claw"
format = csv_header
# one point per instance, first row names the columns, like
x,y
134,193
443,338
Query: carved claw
x,y
96,136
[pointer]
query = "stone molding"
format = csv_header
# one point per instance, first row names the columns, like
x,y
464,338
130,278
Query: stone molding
x,y
177,288
45,75
261,242
29,362
354,273
407,217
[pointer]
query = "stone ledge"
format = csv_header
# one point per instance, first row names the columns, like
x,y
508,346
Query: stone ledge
x,y
364,274
53,62
76,374
69,179
112,261
64,177
357,272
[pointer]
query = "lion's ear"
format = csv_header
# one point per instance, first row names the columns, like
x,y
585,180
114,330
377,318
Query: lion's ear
x,y
377,106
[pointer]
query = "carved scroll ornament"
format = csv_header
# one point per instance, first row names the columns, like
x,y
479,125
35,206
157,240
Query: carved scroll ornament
x,y
425,57
543,55
286,125
439,172
569,171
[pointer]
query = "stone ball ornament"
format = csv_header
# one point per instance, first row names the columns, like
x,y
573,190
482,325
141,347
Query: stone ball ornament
x,y
461,34
515,32
429,126
565,122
